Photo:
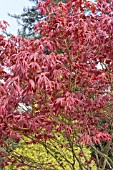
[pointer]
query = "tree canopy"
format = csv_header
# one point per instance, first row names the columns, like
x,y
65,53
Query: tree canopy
x,y
63,89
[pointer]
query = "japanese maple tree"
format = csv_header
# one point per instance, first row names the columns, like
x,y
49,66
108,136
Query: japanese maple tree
x,y
66,77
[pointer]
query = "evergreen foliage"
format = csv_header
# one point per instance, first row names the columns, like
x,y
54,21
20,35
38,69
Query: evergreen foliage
x,y
27,20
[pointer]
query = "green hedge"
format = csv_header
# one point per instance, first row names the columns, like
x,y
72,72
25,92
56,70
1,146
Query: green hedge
x,y
38,156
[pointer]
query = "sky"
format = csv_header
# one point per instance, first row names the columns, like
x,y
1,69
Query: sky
x,y
12,7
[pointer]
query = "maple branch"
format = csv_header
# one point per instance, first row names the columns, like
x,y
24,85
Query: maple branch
x,y
21,158
88,166
105,151
74,154
50,150
102,155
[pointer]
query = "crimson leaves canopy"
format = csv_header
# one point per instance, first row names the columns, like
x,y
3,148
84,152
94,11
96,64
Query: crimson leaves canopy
x,y
66,76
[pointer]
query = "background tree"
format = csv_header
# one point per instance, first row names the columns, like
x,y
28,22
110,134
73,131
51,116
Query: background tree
x,y
27,20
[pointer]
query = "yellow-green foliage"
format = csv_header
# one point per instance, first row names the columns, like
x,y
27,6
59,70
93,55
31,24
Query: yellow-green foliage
x,y
39,155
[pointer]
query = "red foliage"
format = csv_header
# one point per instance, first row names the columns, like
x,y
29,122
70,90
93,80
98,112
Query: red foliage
x,y
70,91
